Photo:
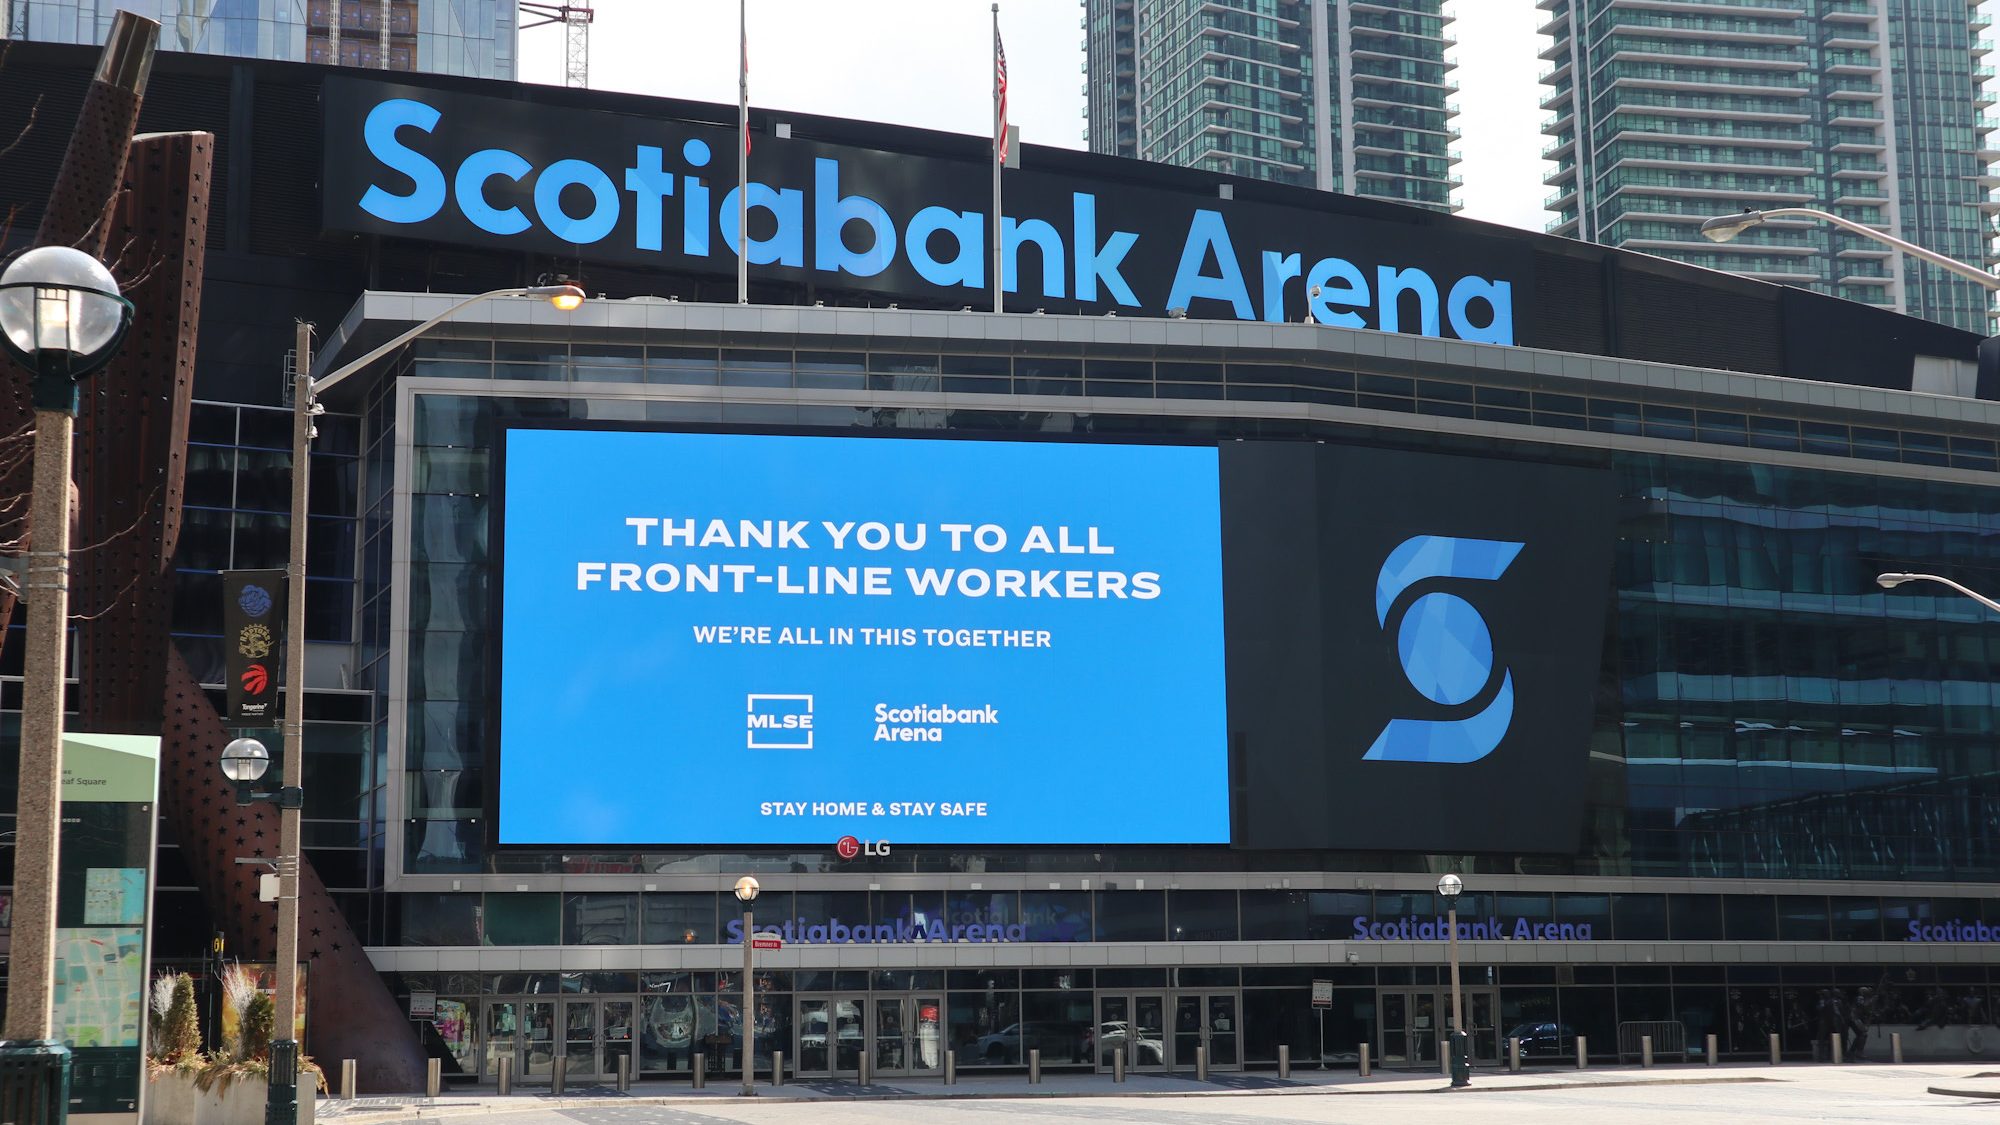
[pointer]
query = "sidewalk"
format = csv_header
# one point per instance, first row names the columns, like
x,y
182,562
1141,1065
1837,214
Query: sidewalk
x,y
486,1100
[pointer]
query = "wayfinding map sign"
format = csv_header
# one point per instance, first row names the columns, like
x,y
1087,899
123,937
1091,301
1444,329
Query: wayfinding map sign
x,y
103,899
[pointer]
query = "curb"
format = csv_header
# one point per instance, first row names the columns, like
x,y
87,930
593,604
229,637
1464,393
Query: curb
x,y
527,1103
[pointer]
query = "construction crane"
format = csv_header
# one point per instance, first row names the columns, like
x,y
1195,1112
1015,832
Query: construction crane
x,y
575,19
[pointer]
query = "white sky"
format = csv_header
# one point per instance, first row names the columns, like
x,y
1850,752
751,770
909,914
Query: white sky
x,y
925,63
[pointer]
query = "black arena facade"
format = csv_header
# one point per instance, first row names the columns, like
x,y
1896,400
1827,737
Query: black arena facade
x,y
1111,672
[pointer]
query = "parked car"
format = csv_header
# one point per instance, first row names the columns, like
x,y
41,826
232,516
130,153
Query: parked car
x,y
1058,1042
1544,1038
1113,1034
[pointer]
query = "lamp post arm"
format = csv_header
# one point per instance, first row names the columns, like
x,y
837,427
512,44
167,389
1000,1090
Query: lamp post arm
x,y
1941,580
1970,273
325,382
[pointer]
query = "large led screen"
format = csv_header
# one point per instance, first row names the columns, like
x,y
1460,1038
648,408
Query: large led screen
x,y
715,639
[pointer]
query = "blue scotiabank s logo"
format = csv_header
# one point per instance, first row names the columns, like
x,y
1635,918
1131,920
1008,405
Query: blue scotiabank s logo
x,y
1446,650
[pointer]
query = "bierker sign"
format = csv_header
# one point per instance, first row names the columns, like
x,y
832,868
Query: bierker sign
x,y
631,191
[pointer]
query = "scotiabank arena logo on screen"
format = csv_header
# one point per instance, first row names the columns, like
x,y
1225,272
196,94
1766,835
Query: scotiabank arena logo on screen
x,y
779,722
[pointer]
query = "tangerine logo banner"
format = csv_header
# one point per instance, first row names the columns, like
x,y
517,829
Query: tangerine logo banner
x,y
780,640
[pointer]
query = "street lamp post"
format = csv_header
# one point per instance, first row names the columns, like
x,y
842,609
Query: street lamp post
x,y
281,1103
61,317
1723,228
1449,887
746,893
1894,579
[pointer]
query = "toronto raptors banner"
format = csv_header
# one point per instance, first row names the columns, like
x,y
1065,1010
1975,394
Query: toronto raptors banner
x,y
251,601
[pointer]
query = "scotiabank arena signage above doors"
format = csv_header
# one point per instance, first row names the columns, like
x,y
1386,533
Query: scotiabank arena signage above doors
x,y
643,192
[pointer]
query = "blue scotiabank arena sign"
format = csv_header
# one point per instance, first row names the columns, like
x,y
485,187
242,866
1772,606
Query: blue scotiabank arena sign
x,y
782,639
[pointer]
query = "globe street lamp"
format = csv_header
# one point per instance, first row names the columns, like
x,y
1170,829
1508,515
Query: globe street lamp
x,y
61,317
1448,888
1894,579
746,893
281,1104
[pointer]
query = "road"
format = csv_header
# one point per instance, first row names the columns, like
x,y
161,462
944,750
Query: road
x,y
1858,1094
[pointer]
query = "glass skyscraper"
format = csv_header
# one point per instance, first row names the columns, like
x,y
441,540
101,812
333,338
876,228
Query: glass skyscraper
x,y
473,38
1872,109
1343,95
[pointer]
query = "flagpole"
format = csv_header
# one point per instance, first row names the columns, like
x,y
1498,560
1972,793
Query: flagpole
x,y
743,157
998,139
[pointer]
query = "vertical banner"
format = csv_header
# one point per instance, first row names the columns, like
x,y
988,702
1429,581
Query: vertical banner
x,y
251,637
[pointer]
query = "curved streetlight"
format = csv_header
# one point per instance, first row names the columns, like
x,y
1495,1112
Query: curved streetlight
x,y
61,318
281,1102
746,893
1448,888
1894,579
1723,228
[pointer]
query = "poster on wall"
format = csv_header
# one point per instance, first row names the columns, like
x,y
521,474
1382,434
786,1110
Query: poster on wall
x,y
784,639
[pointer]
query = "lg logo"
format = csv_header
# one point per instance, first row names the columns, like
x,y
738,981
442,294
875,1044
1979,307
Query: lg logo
x,y
1446,650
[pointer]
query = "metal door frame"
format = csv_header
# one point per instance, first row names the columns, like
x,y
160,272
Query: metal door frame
x,y
1203,998
1440,997
596,1003
863,1000
910,1010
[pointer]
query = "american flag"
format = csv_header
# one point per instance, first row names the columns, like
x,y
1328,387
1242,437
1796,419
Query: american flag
x,y
1000,76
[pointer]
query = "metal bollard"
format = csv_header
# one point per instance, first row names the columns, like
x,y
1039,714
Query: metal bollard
x,y
1514,1054
1201,1064
433,1076
951,1068
1777,1052
1835,1040
1711,1051
777,1068
506,1075
349,1089
1582,1052
1444,1055
1365,1069
1896,1047
559,1079
861,1068
624,1074
1118,1065
1645,1050
700,1071
1284,1060
1034,1066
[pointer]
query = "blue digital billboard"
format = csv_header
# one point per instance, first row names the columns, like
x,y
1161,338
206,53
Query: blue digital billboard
x,y
730,638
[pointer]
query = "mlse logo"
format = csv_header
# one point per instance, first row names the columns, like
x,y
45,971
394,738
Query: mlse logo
x,y
1446,650
1080,255
779,722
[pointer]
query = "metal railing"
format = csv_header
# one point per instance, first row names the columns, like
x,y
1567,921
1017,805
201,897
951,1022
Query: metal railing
x,y
1669,1038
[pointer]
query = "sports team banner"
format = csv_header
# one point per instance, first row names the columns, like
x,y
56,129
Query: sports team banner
x,y
252,636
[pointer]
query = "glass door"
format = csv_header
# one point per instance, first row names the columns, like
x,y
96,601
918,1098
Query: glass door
x,y
849,1034
812,1053
907,1036
1221,1008
1134,1022
538,1040
503,1037
580,1024
616,1021
1482,1024
1205,1019
1413,1020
